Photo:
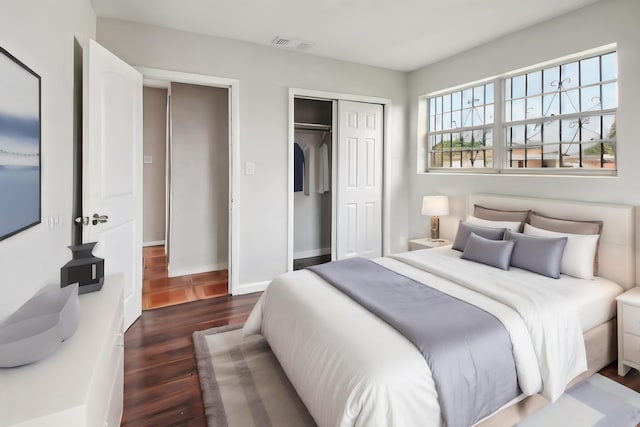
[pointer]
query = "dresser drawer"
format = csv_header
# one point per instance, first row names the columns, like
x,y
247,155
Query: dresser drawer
x,y
631,319
631,348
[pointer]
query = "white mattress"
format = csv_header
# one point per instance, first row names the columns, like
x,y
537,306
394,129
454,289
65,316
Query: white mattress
x,y
593,300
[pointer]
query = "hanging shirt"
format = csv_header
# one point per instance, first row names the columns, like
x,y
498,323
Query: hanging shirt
x,y
298,167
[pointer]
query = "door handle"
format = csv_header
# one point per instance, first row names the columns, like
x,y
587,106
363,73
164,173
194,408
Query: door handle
x,y
84,220
99,219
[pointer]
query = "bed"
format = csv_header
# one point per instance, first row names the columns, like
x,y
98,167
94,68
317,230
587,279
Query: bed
x,y
352,369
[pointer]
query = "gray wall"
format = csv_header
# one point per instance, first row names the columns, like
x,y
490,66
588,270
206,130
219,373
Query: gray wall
x,y
41,35
199,179
604,22
265,76
154,174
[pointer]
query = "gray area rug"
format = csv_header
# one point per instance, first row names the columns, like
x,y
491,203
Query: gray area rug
x,y
244,386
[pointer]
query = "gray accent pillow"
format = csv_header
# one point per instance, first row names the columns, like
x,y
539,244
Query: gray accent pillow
x,y
540,255
570,226
496,253
464,230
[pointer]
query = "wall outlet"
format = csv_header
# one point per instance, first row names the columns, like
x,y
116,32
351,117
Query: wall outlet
x,y
148,159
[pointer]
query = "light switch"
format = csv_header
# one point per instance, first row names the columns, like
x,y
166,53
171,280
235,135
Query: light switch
x,y
148,159
249,168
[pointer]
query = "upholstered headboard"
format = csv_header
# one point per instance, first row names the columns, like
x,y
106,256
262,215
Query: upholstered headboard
x,y
617,241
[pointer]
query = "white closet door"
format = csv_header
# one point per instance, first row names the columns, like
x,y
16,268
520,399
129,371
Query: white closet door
x,y
359,204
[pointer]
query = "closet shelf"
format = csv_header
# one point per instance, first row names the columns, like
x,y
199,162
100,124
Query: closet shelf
x,y
312,126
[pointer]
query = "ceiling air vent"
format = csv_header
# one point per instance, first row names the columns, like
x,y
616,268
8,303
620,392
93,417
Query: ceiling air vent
x,y
290,43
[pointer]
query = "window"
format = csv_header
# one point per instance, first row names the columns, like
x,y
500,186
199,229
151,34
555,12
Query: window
x,y
461,128
561,117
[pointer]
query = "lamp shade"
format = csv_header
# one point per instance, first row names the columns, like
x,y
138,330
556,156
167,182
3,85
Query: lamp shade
x,y
435,205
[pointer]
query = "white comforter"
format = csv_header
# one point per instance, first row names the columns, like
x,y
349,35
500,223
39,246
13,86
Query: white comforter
x,y
352,369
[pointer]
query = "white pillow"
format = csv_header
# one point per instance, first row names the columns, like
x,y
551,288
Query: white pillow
x,y
577,258
510,225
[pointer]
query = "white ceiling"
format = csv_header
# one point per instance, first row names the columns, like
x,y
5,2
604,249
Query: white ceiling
x,y
395,34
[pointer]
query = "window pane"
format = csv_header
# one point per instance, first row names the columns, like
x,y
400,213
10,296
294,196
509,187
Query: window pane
x,y
610,95
517,110
551,78
534,134
534,83
467,98
456,121
551,105
478,95
609,67
507,111
569,102
591,129
517,91
507,88
517,134
446,121
478,116
488,137
590,98
467,117
609,127
446,103
488,93
590,71
438,122
534,107
551,132
569,130
432,123
455,100
439,105
488,114
569,75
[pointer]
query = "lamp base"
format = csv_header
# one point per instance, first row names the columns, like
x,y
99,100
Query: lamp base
x,y
435,228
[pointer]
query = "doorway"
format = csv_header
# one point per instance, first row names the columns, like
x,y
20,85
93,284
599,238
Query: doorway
x,y
188,254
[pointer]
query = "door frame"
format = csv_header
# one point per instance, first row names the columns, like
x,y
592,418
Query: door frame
x,y
386,119
233,85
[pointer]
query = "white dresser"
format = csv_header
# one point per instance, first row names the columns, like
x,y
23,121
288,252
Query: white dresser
x,y
628,331
81,384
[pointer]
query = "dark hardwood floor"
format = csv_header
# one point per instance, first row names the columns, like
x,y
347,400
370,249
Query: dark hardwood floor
x,y
161,380
161,386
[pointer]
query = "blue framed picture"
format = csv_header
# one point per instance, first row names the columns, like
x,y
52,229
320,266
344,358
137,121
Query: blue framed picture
x,y
20,134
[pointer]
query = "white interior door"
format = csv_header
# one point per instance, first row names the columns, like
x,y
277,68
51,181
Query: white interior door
x,y
112,168
359,204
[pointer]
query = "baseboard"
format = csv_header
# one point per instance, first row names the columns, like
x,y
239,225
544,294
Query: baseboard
x,y
312,252
175,272
249,288
156,243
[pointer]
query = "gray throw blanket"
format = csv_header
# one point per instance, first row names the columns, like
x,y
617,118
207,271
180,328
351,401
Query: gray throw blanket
x,y
468,350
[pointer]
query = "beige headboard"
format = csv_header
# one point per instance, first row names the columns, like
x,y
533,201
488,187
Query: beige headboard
x,y
617,242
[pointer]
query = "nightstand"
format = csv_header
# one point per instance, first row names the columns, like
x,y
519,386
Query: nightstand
x,y
426,243
628,331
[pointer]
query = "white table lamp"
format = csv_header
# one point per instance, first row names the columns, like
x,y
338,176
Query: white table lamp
x,y
435,206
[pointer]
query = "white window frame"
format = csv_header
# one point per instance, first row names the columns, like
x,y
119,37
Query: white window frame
x,y
500,125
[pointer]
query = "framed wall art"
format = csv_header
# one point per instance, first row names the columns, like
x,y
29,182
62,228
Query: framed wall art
x,y
20,143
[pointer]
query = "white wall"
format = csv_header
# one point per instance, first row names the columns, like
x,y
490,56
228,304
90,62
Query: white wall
x,y
605,22
154,106
265,75
41,35
199,179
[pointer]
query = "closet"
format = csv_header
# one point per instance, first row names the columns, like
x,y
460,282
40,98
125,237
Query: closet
x,y
337,166
313,183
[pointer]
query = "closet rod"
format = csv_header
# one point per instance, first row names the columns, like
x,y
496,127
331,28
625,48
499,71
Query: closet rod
x,y
312,126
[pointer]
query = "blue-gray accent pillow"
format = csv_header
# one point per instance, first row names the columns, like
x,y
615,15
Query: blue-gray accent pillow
x,y
496,253
465,229
542,255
